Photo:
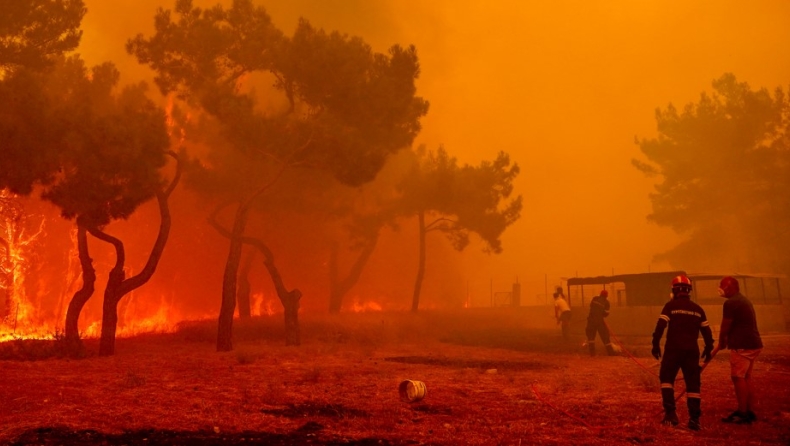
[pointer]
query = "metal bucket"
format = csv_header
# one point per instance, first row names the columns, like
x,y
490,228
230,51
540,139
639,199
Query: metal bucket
x,y
412,391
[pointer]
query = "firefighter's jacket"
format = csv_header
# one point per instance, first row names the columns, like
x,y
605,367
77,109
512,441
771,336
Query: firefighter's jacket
x,y
599,309
686,320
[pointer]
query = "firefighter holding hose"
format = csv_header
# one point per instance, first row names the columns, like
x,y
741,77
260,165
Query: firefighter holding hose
x,y
599,309
686,320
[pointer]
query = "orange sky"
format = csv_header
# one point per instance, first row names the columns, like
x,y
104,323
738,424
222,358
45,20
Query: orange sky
x,y
562,86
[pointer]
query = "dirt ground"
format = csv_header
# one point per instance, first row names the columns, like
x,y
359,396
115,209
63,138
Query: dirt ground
x,y
490,380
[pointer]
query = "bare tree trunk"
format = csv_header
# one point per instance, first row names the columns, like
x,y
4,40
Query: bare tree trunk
x,y
228,306
291,311
339,288
109,318
421,267
81,297
289,299
244,289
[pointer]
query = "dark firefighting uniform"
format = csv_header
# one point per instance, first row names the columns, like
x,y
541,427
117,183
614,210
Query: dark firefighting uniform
x,y
599,309
686,320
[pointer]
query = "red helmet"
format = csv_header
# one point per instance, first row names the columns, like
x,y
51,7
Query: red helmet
x,y
729,286
604,293
681,286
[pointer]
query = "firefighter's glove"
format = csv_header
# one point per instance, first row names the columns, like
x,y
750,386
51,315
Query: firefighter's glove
x,y
656,352
706,354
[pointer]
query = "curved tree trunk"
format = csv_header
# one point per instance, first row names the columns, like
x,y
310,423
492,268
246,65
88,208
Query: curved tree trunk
x,y
117,285
289,299
80,298
338,288
109,319
421,267
237,239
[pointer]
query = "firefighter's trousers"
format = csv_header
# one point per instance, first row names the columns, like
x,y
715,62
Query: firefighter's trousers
x,y
687,361
598,326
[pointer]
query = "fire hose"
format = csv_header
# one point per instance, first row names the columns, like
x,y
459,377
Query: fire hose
x,y
633,358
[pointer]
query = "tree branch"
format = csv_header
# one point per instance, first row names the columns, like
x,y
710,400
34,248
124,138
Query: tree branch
x,y
432,226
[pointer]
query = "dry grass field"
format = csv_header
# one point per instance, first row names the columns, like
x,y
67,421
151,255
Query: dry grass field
x,y
491,380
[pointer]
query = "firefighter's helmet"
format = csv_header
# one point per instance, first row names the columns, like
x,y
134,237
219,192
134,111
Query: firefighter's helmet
x,y
728,286
681,286
604,293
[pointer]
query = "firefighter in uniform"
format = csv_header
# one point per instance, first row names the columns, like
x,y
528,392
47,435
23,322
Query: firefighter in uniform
x,y
599,309
686,320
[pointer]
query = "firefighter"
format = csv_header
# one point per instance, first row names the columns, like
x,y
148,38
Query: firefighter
x,y
599,309
686,320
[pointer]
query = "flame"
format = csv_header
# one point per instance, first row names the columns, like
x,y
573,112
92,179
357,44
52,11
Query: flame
x,y
171,123
260,306
363,307
17,311
22,315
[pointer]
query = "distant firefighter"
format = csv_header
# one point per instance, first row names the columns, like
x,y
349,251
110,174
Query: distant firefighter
x,y
686,321
562,312
599,309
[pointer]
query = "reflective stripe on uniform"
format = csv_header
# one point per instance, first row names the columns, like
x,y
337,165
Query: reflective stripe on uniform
x,y
665,317
693,395
667,386
704,324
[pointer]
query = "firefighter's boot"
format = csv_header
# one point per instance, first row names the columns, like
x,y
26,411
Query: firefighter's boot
x,y
693,403
670,419
610,350
694,424
591,347
668,399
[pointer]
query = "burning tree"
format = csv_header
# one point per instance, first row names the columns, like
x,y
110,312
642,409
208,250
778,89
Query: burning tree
x,y
336,107
94,153
110,148
32,35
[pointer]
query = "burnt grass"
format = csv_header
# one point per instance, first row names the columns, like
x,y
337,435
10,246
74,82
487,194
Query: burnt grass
x,y
316,410
490,378
308,434
463,363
